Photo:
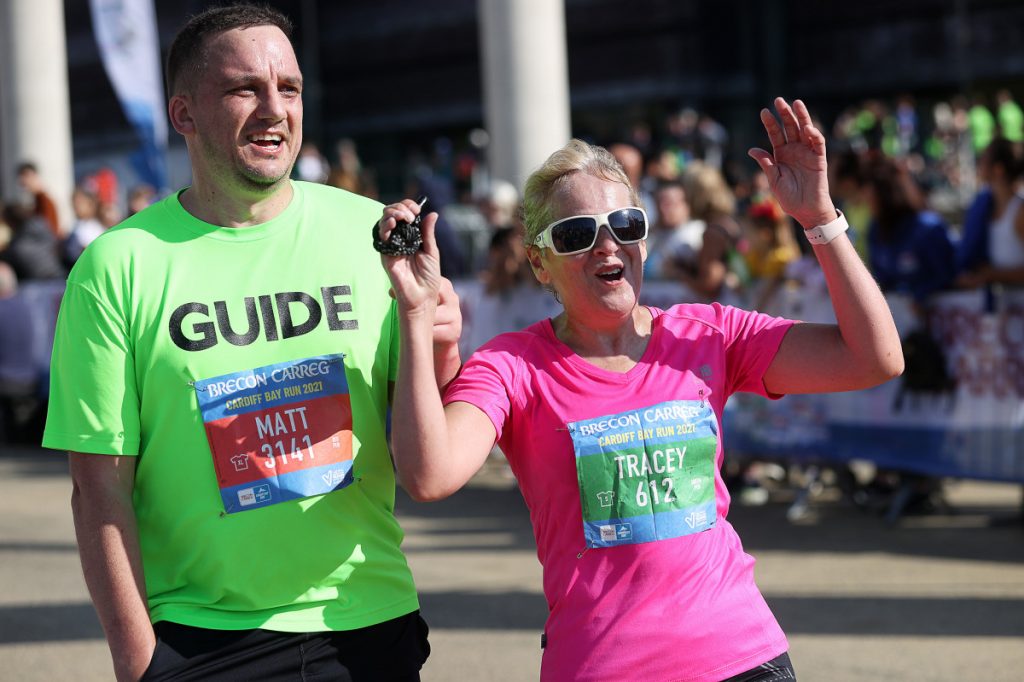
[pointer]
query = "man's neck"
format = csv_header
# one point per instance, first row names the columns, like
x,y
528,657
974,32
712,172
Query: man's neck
x,y
212,205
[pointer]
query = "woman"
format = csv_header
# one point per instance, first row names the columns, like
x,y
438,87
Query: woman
x,y
719,267
992,250
611,412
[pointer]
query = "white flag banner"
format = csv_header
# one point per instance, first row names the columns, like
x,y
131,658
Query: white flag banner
x,y
130,48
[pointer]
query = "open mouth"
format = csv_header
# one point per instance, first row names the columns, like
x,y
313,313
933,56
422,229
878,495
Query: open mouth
x,y
270,142
611,274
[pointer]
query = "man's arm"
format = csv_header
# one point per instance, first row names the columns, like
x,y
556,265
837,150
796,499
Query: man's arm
x,y
108,544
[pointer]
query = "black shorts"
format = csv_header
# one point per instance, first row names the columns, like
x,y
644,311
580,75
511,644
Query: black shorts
x,y
392,651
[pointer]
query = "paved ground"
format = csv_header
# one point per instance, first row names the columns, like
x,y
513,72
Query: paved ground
x,y
937,598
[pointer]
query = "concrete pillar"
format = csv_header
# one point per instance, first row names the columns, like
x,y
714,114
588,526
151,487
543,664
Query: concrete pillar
x,y
35,118
526,84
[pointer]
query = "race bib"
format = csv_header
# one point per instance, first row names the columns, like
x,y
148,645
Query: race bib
x,y
647,474
279,432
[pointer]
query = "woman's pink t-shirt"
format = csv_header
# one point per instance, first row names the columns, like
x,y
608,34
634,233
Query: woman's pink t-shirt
x,y
643,575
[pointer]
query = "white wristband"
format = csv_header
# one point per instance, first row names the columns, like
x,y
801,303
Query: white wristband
x,y
823,234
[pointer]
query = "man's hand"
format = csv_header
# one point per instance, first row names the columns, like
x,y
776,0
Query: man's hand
x,y
447,317
447,330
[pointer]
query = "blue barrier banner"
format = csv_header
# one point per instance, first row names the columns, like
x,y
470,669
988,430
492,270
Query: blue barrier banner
x,y
969,423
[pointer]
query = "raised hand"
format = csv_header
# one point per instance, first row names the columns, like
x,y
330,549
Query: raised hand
x,y
796,168
415,280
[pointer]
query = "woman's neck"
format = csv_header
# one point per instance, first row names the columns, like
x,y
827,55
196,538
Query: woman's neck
x,y
614,346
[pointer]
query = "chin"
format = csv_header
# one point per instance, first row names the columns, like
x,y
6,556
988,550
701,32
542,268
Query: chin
x,y
258,178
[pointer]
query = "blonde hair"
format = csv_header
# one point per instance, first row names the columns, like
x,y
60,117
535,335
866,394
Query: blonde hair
x,y
575,157
707,192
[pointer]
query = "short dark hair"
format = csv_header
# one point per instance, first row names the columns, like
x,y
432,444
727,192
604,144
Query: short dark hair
x,y
26,167
1003,152
187,55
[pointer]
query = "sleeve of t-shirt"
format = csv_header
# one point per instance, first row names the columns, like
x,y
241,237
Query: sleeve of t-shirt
x,y
94,401
486,382
751,341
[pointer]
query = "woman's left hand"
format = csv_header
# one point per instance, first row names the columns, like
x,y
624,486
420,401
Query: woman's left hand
x,y
797,170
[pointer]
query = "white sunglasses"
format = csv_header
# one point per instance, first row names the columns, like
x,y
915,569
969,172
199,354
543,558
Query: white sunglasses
x,y
578,233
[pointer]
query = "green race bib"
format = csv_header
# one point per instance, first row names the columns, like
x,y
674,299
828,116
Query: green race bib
x,y
647,474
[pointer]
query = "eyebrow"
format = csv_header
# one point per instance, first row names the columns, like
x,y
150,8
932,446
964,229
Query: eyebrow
x,y
252,77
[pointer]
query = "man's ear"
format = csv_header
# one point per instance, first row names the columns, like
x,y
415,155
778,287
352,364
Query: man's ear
x,y
180,113
539,271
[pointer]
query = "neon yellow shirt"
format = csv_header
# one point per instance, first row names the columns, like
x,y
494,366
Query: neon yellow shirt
x,y
164,305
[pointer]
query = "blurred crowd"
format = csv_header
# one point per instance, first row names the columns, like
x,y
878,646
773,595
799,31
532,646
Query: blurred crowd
x,y
932,193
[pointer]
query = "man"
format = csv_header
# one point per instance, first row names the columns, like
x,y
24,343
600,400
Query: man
x,y
43,205
221,377
32,251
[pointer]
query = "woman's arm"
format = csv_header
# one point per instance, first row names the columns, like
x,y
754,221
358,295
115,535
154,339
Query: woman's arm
x,y
436,449
863,349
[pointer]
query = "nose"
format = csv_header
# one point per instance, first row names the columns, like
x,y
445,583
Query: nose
x,y
605,242
272,105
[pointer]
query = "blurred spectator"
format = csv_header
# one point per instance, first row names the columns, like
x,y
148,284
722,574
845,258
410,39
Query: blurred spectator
x,y
719,263
348,172
641,137
507,264
499,204
19,381
847,183
109,214
439,195
662,166
33,249
139,198
992,247
311,166
632,163
771,248
5,231
42,205
103,185
675,238
909,248
981,124
906,124
1009,116
868,124
682,128
85,227
510,298
713,139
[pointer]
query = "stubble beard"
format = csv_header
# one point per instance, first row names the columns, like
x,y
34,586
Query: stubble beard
x,y
245,175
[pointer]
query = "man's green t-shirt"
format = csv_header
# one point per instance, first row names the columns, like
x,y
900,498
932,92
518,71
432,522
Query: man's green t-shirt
x,y
248,369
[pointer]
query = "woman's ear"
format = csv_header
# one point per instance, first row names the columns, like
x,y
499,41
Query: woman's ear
x,y
533,253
